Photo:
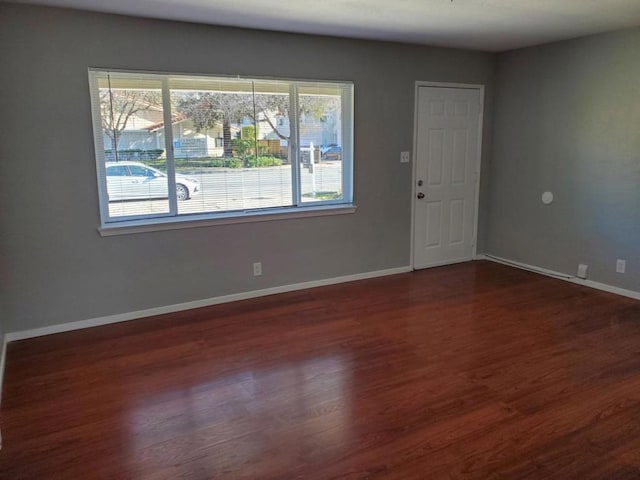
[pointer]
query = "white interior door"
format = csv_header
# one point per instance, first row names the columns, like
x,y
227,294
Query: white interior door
x,y
447,166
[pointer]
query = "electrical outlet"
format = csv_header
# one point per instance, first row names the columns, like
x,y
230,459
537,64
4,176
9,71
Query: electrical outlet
x,y
404,157
621,266
257,269
582,270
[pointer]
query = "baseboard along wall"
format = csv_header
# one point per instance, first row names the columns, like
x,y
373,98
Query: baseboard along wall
x,y
562,276
123,317
127,316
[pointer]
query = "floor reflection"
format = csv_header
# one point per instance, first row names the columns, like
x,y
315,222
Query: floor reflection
x,y
240,419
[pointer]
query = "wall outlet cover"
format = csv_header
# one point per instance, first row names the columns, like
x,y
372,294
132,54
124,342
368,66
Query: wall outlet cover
x,y
257,269
582,270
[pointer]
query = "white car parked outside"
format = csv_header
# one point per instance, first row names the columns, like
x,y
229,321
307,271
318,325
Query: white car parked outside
x,y
136,181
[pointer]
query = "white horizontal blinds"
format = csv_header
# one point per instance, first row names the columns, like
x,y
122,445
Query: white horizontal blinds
x,y
322,145
272,140
131,157
233,144
226,137
227,84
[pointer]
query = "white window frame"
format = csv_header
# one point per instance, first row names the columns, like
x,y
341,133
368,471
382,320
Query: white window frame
x,y
172,220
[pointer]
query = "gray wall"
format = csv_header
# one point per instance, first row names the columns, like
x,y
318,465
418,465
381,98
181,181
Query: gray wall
x,y
567,119
58,269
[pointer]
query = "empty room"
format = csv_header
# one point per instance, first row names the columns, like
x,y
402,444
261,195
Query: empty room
x,y
349,239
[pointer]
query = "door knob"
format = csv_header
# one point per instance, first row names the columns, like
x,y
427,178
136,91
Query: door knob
x,y
421,195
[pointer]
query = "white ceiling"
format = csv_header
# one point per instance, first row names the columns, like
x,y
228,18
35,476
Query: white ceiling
x,y
491,25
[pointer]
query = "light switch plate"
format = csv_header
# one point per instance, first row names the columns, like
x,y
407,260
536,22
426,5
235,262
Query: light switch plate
x,y
404,157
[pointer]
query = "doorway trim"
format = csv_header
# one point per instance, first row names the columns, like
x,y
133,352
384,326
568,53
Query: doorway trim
x,y
476,210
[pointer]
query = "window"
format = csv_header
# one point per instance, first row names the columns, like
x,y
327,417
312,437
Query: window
x,y
177,148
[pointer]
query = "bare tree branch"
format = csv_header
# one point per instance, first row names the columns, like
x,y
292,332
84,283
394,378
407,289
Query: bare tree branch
x,y
118,106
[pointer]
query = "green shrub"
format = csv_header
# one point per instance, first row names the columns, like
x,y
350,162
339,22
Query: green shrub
x,y
215,162
226,162
206,162
134,154
252,161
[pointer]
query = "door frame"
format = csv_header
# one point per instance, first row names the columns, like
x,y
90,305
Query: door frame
x,y
476,209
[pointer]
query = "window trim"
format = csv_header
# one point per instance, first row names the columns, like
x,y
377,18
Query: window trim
x,y
171,220
207,220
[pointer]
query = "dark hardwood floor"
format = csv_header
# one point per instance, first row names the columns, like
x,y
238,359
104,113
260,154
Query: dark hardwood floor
x,y
473,371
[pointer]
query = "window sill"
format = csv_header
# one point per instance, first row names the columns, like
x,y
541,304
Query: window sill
x,y
209,220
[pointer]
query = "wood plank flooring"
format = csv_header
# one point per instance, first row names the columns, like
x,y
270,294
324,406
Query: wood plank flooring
x,y
472,371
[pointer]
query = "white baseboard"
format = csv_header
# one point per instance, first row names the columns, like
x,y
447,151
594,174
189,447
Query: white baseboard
x,y
562,276
123,317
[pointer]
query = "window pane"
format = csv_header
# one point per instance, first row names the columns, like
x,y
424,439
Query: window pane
x,y
320,143
272,134
228,145
131,113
